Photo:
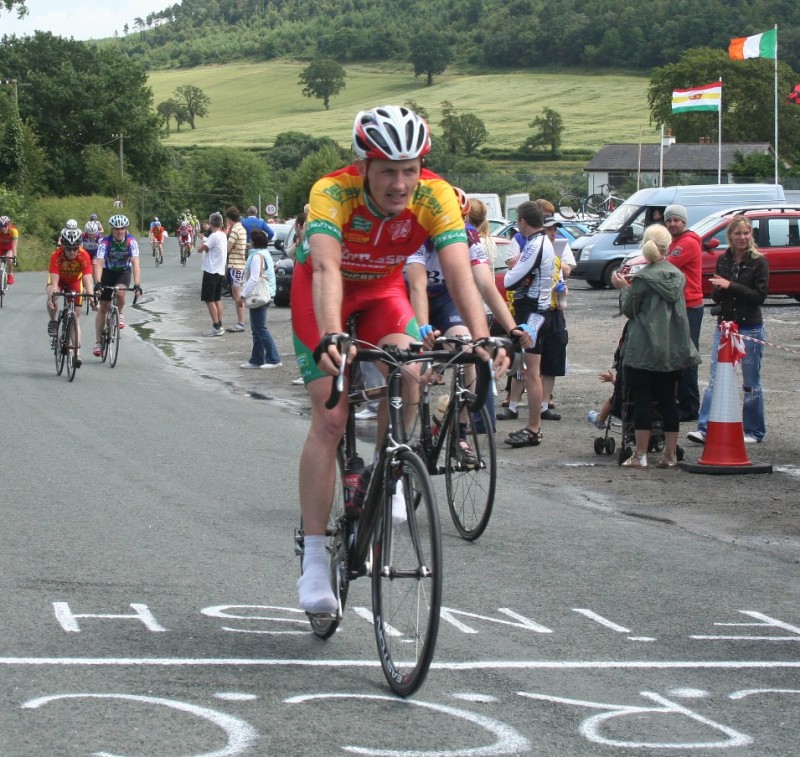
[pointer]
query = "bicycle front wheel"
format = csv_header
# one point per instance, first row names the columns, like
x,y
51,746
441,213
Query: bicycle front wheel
x,y
471,473
3,285
407,575
569,205
59,340
71,346
113,337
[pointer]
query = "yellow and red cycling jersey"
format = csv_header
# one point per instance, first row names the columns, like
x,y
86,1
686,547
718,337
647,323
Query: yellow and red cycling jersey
x,y
7,239
157,232
70,272
373,246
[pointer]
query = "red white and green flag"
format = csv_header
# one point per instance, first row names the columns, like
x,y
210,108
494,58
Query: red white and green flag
x,y
705,97
758,46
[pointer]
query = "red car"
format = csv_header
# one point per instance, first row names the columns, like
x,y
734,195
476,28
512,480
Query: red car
x,y
776,231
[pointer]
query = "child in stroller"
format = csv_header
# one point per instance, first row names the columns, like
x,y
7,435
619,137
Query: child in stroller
x,y
620,406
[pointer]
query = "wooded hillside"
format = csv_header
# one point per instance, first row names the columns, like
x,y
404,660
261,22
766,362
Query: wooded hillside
x,y
627,34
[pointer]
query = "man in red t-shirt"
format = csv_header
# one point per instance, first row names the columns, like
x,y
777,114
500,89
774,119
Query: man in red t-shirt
x,y
686,253
70,271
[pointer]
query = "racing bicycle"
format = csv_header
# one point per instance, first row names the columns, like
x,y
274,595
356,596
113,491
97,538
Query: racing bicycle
x,y
397,545
186,250
65,343
5,261
458,442
110,334
158,252
597,205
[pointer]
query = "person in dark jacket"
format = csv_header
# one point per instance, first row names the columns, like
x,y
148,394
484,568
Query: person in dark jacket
x,y
657,345
740,284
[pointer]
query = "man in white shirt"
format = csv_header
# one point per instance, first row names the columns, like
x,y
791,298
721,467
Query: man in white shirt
x,y
215,249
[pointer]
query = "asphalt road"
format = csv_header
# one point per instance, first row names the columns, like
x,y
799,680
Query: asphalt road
x,y
147,576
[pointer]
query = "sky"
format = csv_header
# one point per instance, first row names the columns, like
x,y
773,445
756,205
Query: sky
x,y
81,19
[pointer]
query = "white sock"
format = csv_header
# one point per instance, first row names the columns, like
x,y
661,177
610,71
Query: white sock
x,y
545,406
314,586
512,406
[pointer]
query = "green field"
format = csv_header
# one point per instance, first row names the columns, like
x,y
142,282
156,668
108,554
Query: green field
x,y
253,102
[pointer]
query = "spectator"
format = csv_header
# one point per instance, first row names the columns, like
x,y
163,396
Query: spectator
x,y
657,345
740,283
237,257
259,263
252,221
299,234
685,253
214,248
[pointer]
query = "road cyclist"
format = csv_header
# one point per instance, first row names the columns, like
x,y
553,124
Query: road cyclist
x,y
70,270
156,237
117,262
364,221
185,240
92,234
9,240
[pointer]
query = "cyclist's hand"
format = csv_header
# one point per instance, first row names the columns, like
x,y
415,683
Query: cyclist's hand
x,y
499,351
429,335
137,290
522,335
327,355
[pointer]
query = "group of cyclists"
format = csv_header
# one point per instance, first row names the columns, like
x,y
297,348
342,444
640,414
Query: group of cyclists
x,y
110,261
186,232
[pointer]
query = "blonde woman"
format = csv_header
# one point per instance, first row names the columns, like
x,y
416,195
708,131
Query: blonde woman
x,y
477,217
657,345
740,284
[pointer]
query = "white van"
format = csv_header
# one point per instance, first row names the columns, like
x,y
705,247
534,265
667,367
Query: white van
x,y
600,253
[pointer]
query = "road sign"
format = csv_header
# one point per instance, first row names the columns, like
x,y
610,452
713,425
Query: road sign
x,y
271,209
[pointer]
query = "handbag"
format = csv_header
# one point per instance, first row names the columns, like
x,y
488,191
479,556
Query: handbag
x,y
260,295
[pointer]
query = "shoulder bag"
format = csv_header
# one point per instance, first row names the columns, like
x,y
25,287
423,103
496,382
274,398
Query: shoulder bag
x,y
260,294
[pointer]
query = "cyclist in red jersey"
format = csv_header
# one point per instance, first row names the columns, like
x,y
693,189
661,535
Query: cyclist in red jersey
x,y
9,239
364,221
70,270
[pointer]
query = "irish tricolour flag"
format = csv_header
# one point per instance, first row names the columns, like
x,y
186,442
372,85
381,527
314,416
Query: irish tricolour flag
x,y
706,97
758,46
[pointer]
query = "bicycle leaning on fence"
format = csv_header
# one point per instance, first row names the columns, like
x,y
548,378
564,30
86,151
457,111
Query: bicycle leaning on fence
x,y
110,334
384,524
65,343
5,261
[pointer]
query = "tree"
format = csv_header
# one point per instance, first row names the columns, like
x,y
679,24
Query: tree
x,y
449,124
549,127
313,167
79,95
9,5
747,96
172,108
323,79
472,132
195,101
13,166
430,54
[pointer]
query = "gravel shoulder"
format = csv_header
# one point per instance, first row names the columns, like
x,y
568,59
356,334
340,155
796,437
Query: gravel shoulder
x,y
756,511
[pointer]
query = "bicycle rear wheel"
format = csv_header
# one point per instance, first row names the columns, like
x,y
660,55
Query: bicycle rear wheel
x,y
3,284
471,474
71,346
113,337
324,626
569,205
407,577
595,203
59,341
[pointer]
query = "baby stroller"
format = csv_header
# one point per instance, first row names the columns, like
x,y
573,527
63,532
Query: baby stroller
x,y
621,416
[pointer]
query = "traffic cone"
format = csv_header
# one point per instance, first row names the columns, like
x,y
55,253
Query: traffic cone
x,y
724,450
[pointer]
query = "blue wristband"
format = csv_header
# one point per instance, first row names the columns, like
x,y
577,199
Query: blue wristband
x,y
425,330
527,329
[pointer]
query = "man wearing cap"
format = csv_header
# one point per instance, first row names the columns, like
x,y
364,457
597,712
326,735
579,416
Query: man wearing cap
x,y
685,253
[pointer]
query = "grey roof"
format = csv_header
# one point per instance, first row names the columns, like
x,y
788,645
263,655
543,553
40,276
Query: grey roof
x,y
677,157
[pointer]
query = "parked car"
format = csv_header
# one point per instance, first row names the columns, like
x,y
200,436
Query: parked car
x,y
284,265
776,231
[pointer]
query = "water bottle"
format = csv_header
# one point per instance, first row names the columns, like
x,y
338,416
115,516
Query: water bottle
x,y
561,294
353,469
357,506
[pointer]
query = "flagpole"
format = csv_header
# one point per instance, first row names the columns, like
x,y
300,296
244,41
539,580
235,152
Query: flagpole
x,y
776,104
661,160
719,129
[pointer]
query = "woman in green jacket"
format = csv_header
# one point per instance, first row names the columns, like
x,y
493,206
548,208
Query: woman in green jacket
x,y
657,345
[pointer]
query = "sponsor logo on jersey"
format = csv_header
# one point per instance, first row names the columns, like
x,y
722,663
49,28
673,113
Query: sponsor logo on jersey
x,y
400,230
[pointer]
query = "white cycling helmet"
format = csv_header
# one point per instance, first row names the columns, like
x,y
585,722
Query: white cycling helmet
x,y
4,220
92,227
70,237
71,224
391,132
119,221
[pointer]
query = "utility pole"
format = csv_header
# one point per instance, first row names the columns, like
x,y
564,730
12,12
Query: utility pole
x,y
14,85
120,137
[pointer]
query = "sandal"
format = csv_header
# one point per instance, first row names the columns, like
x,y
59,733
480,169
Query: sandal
x,y
636,461
524,438
466,454
668,462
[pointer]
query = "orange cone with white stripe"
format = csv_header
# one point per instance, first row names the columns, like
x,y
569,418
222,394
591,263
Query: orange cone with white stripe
x,y
724,450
